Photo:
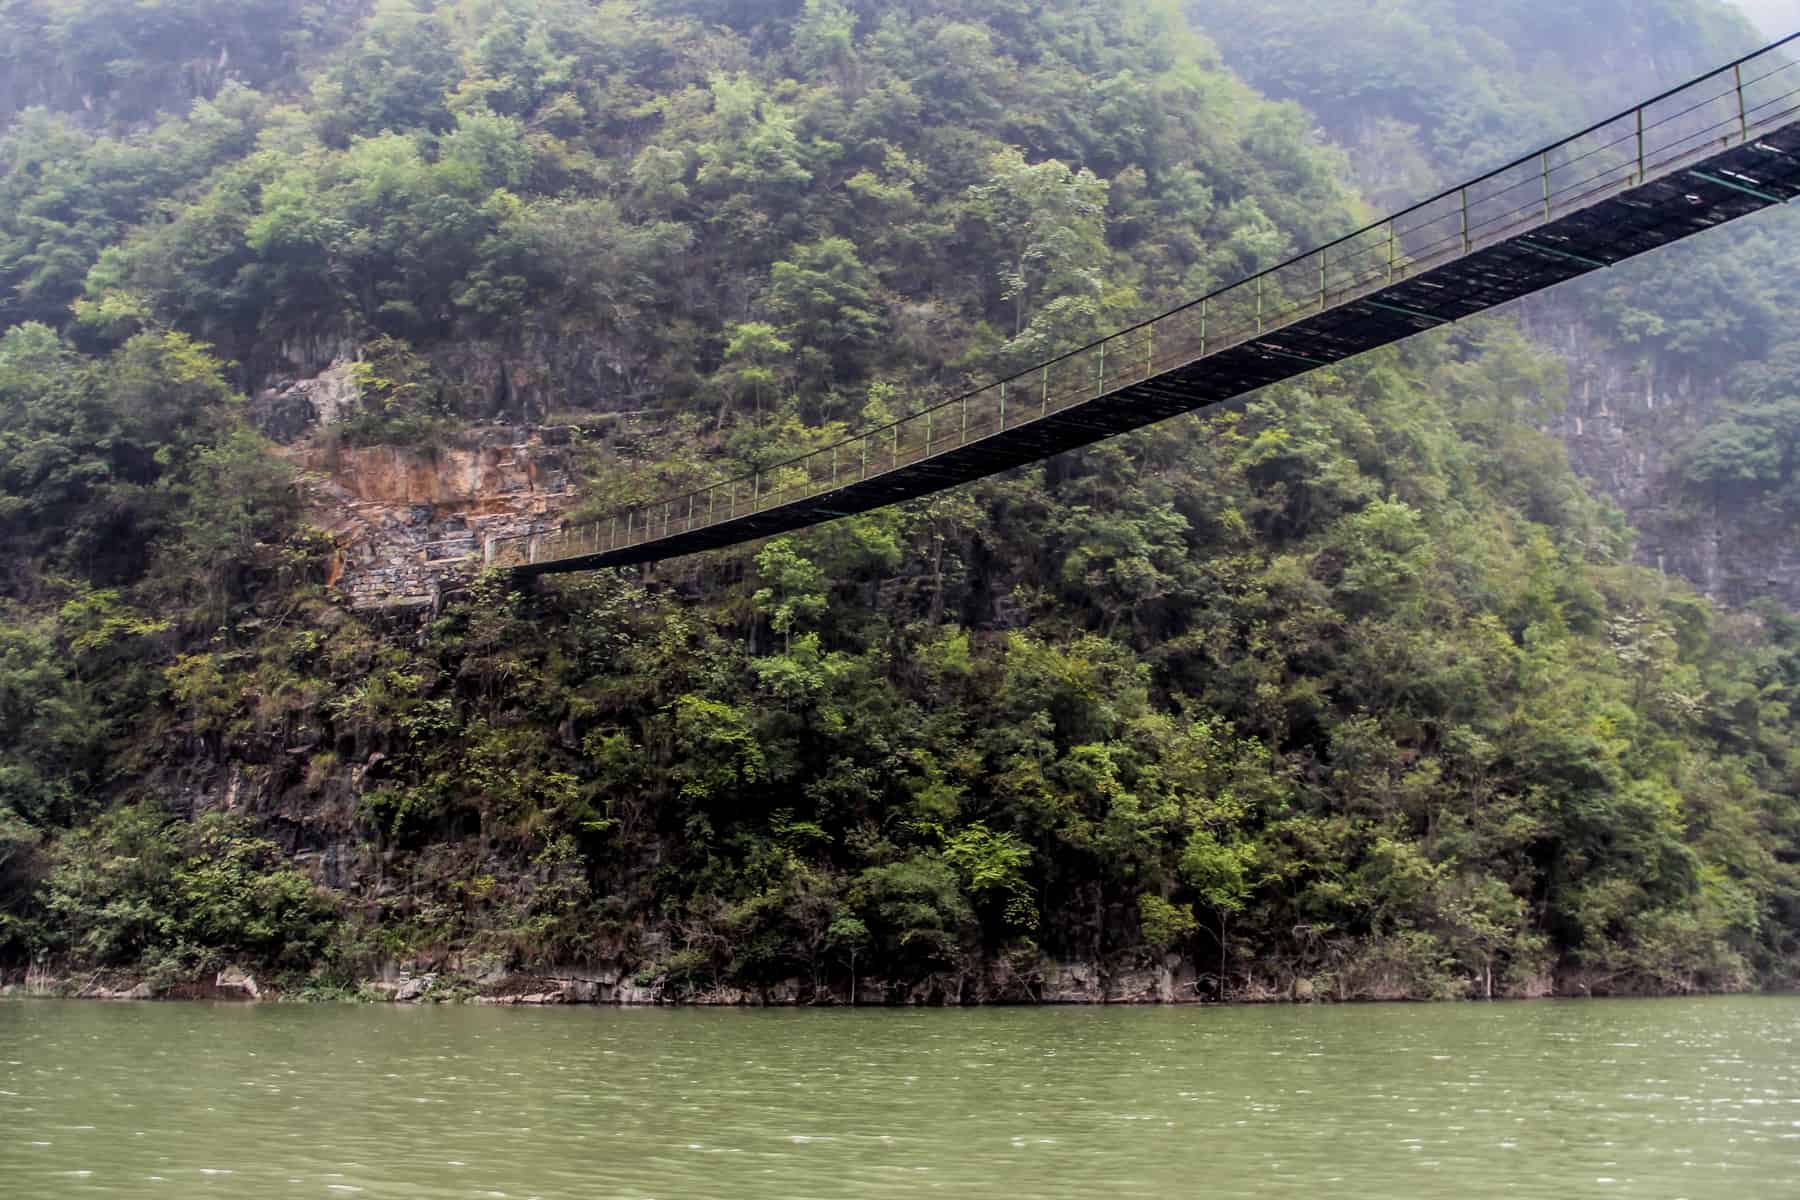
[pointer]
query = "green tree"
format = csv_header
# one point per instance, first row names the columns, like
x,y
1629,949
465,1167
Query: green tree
x,y
795,591
1047,223
825,299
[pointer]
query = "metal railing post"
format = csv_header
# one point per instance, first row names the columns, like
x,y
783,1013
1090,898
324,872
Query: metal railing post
x,y
1100,375
1546,165
896,454
1002,425
628,514
1045,407
1259,305
964,438
1204,301
1737,72
1640,143
928,413
1393,246
1464,192
834,451
865,456
1322,253
1149,350
755,491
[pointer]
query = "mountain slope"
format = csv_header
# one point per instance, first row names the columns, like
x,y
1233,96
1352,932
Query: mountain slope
x,y
1678,364
1349,690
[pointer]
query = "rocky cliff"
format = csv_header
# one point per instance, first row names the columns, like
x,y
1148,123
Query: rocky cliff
x,y
1627,419
408,524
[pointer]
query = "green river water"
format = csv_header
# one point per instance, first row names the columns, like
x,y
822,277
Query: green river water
x,y
1666,1098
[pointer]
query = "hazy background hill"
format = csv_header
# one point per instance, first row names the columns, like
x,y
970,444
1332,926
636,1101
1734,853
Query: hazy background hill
x,y
1776,18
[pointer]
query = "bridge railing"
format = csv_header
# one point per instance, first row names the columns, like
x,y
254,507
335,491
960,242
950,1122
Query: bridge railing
x,y
1726,107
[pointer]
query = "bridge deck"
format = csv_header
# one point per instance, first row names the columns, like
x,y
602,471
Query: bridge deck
x,y
1717,149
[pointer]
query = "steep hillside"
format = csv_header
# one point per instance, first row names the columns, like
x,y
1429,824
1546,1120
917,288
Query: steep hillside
x,y
1681,377
1350,690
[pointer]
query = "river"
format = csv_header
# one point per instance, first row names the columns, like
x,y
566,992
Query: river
x,y
1659,1098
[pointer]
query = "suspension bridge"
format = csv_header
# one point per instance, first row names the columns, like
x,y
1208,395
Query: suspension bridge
x,y
1719,148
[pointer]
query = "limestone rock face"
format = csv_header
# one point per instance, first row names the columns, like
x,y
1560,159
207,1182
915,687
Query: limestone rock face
x,y
236,980
411,524
1146,985
1625,425
781,994
290,409
1073,983
116,989
412,988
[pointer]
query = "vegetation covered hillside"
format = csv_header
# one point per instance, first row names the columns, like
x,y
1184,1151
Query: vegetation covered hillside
x,y
1422,95
1349,690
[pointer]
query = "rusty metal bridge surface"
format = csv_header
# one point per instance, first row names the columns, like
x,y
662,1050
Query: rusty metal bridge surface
x,y
1721,147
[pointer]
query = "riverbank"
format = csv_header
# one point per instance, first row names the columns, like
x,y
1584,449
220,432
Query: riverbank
x,y
1060,985
418,983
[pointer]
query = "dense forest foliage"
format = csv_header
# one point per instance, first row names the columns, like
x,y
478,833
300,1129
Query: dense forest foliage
x,y
1425,94
1349,689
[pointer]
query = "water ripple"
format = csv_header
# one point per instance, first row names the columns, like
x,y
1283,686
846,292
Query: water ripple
x,y
1697,1099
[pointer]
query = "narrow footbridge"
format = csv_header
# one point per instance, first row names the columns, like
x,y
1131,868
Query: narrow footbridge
x,y
1718,148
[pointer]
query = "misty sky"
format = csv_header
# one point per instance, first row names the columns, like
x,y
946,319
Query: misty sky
x,y
1778,18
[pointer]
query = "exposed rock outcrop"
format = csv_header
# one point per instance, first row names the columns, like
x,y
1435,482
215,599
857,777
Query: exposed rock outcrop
x,y
1625,425
411,524
237,981
291,409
